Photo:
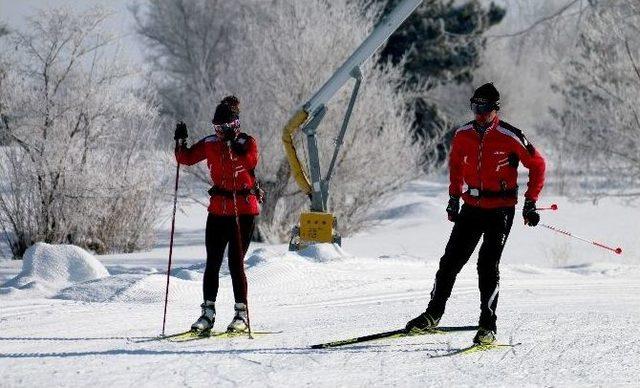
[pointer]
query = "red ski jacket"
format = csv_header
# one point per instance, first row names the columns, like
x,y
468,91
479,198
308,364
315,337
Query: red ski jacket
x,y
487,163
229,172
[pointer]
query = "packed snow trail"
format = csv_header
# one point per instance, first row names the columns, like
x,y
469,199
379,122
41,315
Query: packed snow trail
x,y
577,325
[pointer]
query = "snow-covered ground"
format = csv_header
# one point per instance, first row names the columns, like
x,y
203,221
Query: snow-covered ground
x,y
574,308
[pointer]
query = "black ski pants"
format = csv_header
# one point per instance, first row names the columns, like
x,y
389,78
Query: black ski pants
x,y
493,225
222,231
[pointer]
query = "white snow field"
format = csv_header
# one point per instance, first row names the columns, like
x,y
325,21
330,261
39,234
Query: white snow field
x,y
575,309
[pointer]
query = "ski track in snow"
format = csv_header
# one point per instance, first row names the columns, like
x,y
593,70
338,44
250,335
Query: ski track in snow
x,y
578,324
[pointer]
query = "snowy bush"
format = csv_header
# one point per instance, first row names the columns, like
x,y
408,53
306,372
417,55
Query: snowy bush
x,y
273,55
80,167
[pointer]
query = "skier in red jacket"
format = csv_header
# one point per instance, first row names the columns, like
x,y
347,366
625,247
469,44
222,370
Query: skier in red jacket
x,y
231,157
484,157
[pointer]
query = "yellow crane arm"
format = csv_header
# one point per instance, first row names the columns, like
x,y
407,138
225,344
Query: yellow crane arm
x,y
297,170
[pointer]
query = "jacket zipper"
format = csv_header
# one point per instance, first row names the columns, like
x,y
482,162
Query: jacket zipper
x,y
482,135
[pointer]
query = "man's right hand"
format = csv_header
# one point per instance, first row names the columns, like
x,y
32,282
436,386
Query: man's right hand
x,y
529,213
453,208
181,131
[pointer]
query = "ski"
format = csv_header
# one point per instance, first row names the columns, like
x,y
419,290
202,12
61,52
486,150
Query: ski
x,y
393,334
194,335
164,337
191,335
476,348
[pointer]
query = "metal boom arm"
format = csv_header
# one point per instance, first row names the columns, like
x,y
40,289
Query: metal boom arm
x,y
315,105
389,24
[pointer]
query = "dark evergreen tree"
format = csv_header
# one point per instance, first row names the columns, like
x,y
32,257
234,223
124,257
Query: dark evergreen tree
x,y
441,44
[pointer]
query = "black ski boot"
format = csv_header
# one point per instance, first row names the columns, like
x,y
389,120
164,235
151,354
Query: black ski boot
x,y
484,337
423,322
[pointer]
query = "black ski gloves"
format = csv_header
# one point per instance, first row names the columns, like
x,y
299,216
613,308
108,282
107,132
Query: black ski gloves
x,y
453,208
181,131
529,213
240,144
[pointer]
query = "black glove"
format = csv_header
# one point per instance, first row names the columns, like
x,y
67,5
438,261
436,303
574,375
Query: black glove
x,y
240,144
529,213
181,131
453,208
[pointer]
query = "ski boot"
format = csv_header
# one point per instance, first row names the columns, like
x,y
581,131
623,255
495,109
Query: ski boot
x,y
484,337
239,322
208,317
423,322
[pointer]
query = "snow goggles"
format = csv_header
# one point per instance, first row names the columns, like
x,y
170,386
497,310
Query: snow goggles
x,y
232,127
483,107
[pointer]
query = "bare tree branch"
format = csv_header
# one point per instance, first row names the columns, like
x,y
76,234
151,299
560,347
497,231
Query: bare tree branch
x,y
538,22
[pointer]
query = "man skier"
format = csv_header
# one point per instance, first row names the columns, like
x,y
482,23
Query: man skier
x,y
485,155
231,157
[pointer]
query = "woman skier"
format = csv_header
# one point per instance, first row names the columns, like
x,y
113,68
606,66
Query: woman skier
x,y
231,157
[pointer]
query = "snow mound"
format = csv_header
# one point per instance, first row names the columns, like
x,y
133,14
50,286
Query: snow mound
x,y
260,256
100,290
131,288
48,268
196,272
323,253
192,272
138,287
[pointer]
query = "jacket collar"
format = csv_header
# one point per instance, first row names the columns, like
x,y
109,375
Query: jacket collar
x,y
484,129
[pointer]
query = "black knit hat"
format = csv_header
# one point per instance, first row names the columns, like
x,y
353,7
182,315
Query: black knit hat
x,y
228,110
486,93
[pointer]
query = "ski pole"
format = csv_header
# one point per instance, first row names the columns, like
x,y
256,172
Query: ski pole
x,y
173,226
617,250
553,207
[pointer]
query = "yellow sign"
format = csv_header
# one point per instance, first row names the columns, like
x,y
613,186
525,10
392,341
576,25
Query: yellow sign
x,y
316,227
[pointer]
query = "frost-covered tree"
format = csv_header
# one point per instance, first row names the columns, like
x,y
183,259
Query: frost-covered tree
x,y
523,53
189,43
80,167
280,52
440,46
597,131
3,72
